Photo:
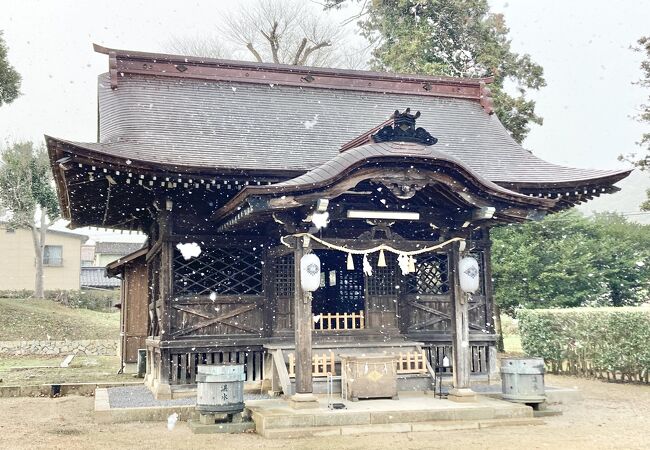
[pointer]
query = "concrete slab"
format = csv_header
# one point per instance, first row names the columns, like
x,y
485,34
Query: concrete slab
x,y
511,422
38,390
293,433
563,395
413,412
241,427
376,428
553,394
105,414
445,426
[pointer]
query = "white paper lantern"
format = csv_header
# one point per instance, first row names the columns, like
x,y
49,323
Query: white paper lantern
x,y
469,274
310,272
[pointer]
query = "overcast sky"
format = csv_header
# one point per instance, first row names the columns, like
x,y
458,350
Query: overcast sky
x,y
583,46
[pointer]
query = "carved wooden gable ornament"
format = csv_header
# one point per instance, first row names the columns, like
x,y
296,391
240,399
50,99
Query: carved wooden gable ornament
x,y
403,130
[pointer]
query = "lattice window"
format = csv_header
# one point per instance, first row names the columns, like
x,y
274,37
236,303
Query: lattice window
x,y
431,275
384,280
224,271
284,276
351,290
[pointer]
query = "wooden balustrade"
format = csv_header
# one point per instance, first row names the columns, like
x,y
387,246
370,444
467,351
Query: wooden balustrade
x,y
340,321
322,365
183,364
412,362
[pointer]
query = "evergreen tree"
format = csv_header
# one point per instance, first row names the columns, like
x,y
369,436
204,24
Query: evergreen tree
x,y
26,187
9,78
459,38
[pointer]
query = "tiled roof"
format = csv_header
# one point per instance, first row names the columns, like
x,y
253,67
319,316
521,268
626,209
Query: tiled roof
x,y
116,248
185,123
96,277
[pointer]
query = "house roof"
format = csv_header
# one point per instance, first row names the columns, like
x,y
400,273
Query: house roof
x,y
72,234
117,248
115,268
96,277
190,125
198,113
188,115
377,160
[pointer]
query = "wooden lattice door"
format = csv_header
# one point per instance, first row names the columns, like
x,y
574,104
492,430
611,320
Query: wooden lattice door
x,y
220,292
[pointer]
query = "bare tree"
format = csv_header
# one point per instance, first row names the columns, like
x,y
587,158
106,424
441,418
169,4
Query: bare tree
x,y
206,46
294,32
283,32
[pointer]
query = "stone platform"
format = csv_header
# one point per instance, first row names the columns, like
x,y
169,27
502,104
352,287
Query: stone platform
x,y
412,412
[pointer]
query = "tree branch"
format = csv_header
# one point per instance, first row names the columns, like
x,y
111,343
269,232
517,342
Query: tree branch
x,y
255,53
301,47
310,50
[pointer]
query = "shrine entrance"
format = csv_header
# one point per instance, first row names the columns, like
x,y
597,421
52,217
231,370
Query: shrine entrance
x,y
340,301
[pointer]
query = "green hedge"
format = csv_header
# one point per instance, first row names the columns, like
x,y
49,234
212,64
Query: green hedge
x,y
589,341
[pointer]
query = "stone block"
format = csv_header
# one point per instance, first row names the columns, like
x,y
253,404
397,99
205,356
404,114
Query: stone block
x,y
269,421
10,391
294,433
241,427
462,395
509,422
376,428
338,418
445,426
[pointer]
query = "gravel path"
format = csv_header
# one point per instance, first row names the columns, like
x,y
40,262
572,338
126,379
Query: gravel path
x,y
141,396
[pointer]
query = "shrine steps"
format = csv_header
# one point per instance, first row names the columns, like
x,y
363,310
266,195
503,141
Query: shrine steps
x,y
413,412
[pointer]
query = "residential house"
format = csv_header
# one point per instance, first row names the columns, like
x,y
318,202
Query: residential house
x,y
95,258
61,260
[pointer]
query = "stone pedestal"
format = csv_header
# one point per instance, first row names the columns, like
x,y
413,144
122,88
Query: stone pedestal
x,y
303,401
462,395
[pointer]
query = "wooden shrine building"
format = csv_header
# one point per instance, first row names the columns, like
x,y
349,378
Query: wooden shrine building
x,y
238,162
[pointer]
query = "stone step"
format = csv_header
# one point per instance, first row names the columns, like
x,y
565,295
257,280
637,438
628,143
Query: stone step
x,y
352,430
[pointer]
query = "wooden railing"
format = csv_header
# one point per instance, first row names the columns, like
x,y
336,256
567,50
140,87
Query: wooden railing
x,y
322,365
183,364
412,362
479,354
340,321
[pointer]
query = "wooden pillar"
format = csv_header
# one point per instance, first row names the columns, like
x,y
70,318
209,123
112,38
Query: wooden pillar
x,y
461,363
304,395
162,386
490,310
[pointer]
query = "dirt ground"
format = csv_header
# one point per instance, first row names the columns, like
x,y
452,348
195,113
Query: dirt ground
x,y
22,370
610,416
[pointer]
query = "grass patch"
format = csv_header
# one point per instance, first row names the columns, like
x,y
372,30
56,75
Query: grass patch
x,y
19,370
511,338
512,344
34,319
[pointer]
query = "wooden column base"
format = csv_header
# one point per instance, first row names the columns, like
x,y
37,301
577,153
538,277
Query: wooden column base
x,y
462,395
303,401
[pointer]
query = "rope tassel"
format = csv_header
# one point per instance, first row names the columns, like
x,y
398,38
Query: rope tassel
x,y
350,262
367,268
403,262
382,259
411,264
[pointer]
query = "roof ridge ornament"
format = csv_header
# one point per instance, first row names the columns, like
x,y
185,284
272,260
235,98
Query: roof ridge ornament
x,y
403,129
